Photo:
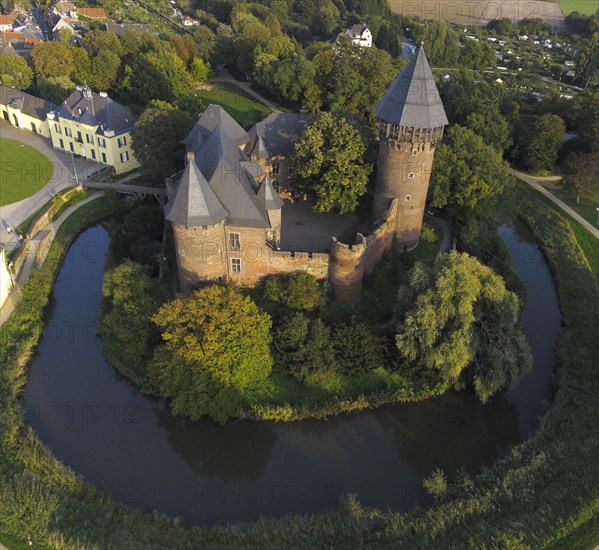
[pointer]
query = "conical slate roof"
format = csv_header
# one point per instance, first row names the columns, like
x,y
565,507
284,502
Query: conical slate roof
x,y
194,203
413,99
268,197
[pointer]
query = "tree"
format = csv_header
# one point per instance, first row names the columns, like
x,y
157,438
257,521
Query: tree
x,y
82,69
27,506
157,136
205,42
436,483
464,325
104,69
538,148
185,47
96,42
441,42
215,352
329,162
491,126
288,78
133,42
466,170
476,55
125,326
297,290
52,59
15,72
581,173
587,59
199,70
358,349
172,71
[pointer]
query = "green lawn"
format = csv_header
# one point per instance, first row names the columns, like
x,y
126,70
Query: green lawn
x,y
243,108
23,171
587,242
587,207
581,6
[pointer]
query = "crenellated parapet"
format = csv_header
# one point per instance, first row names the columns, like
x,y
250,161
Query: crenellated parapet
x,y
346,269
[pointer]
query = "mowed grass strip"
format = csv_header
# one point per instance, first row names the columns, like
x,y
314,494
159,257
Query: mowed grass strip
x,y
243,108
23,171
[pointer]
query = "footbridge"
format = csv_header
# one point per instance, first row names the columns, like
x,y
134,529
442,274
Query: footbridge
x,y
137,188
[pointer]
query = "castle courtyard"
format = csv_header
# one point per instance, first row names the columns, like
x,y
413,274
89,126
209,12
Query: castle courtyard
x,y
304,230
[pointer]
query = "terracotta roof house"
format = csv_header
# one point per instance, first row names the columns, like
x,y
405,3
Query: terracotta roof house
x,y
6,21
92,13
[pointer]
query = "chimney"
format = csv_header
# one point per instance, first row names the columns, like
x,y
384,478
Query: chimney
x,y
103,94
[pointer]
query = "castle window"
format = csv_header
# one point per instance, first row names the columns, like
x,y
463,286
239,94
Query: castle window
x,y
58,129
93,154
122,141
235,265
89,138
291,170
67,132
411,175
234,241
124,156
408,198
104,158
101,142
276,186
276,168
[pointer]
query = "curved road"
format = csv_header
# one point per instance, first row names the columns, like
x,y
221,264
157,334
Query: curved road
x,y
536,182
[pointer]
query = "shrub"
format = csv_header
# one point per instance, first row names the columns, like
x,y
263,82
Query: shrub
x,y
296,290
436,483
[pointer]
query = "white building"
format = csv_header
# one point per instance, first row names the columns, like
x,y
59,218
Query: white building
x,y
360,35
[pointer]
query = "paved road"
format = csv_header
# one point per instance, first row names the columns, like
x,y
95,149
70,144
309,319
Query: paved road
x,y
446,226
225,76
538,184
65,168
14,295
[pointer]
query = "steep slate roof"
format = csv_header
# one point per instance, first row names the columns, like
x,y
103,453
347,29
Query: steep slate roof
x,y
214,116
6,48
413,99
26,103
357,29
194,203
276,135
94,109
268,197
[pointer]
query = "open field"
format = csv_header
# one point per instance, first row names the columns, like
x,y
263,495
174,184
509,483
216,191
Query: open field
x,y
587,7
482,11
23,171
243,108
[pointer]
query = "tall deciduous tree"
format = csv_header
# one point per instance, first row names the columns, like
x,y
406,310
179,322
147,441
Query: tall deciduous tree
x,y
581,173
329,160
215,352
52,59
538,148
126,329
15,72
466,170
157,136
464,324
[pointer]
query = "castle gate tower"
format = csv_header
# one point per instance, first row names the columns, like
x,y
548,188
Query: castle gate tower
x,y
410,120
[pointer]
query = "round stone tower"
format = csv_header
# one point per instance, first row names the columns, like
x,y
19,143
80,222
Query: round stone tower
x,y
410,121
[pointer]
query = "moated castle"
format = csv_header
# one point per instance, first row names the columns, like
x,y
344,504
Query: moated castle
x,y
227,209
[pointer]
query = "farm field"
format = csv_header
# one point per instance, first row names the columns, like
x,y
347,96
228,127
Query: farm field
x,y
23,171
587,7
480,13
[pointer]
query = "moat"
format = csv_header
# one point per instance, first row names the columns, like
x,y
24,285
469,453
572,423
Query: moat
x,y
132,448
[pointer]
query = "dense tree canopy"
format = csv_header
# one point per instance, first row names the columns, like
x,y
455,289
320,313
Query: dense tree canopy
x,y
15,72
581,173
126,329
329,163
52,59
539,146
157,136
466,170
464,324
215,352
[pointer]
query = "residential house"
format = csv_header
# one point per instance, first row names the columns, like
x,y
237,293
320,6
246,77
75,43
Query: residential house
x,y
92,13
6,21
90,124
358,35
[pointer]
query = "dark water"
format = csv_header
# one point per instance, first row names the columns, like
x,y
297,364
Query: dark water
x,y
132,448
